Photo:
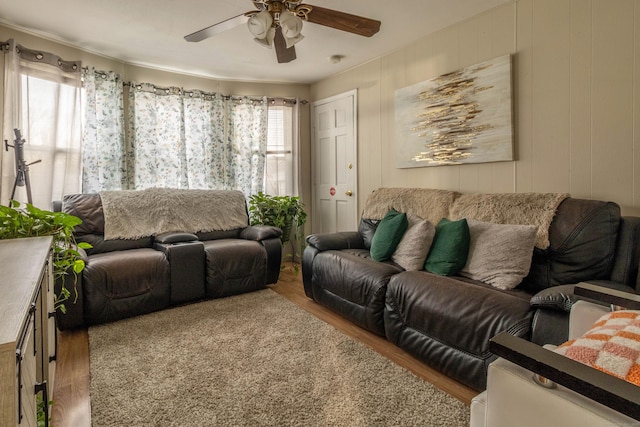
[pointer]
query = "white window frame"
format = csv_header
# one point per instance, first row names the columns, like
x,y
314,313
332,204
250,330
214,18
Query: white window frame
x,y
279,179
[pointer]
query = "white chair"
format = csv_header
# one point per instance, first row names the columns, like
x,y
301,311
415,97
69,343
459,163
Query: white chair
x,y
531,385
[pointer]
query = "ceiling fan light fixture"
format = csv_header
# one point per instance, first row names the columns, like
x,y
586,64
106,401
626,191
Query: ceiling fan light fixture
x,y
278,24
260,24
268,40
290,23
290,41
291,27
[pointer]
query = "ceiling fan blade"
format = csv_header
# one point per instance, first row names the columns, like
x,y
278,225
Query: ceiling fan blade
x,y
217,28
343,21
283,53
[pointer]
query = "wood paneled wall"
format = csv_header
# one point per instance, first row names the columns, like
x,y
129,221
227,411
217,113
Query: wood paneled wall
x,y
576,85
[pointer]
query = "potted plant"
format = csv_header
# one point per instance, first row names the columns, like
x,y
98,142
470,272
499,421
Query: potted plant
x,y
284,212
32,222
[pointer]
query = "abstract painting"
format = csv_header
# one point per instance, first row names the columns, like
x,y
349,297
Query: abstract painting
x,y
460,117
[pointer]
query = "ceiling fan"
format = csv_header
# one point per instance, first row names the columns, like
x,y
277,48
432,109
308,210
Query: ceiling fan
x,y
278,23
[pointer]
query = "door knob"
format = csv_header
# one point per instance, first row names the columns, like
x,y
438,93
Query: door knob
x,y
349,193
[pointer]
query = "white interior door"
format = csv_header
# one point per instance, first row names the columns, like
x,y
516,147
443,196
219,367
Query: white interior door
x,y
334,164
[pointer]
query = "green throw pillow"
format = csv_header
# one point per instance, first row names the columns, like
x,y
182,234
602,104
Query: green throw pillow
x,y
450,248
388,235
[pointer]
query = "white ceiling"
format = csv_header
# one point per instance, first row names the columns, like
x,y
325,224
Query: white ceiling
x,y
151,33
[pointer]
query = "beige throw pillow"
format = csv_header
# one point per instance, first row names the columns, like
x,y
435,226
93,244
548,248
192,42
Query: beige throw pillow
x,y
499,254
412,250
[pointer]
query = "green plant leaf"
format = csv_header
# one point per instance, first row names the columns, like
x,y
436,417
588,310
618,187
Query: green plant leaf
x,y
78,266
69,221
17,222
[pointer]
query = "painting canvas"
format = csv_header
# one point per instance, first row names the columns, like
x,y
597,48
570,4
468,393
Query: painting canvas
x,y
461,117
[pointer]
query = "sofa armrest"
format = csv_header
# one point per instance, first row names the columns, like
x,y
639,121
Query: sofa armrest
x,y
626,261
552,307
187,265
564,296
175,237
273,249
559,298
260,232
603,388
336,241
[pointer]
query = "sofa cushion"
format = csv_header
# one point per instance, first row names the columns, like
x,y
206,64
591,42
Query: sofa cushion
x,y
121,284
499,254
219,234
87,207
414,246
388,235
234,266
583,238
367,229
450,247
448,321
351,284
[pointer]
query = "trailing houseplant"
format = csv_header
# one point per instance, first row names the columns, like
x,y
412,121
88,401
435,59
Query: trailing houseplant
x,y
42,413
284,212
17,222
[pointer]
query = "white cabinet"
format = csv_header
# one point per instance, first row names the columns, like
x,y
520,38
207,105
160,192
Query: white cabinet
x,y
27,331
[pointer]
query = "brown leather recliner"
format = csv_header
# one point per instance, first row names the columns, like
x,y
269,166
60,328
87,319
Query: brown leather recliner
x,y
127,277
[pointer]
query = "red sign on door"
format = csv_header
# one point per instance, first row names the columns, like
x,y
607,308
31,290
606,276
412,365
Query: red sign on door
x,y
332,191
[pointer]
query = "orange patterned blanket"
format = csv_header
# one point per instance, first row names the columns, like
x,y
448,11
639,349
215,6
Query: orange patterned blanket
x,y
612,345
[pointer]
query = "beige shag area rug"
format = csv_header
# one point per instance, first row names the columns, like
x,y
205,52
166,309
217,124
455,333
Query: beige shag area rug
x,y
252,360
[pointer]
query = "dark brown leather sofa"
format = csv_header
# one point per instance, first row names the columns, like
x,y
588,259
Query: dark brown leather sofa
x,y
127,277
447,321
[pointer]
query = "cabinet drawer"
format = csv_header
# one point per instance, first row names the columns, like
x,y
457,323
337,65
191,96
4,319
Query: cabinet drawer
x,y
26,375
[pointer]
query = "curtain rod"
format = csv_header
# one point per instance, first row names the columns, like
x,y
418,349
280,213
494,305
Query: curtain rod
x,y
179,91
42,57
71,66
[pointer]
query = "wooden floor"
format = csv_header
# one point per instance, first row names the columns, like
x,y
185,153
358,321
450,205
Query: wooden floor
x,y
71,407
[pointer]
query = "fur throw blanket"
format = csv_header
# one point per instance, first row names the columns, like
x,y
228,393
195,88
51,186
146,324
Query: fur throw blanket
x,y
429,204
132,214
511,208
502,208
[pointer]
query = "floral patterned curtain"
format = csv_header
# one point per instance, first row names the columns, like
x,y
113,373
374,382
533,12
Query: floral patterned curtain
x,y
103,150
156,137
248,120
195,139
205,139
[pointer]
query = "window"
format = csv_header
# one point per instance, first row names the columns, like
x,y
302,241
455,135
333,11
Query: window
x,y
50,116
279,170
42,101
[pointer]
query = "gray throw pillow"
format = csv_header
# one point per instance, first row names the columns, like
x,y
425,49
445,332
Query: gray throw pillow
x,y
412,250
499,254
